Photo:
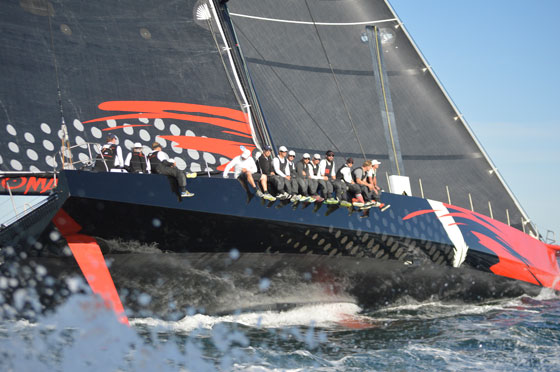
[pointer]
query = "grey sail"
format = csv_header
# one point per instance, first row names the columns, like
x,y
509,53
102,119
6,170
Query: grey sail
x,y
143,70
313,65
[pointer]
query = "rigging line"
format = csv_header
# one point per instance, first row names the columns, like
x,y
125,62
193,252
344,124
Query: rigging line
x,y
64,140
289,90
385,100
232,85
234,70
336,82
314,23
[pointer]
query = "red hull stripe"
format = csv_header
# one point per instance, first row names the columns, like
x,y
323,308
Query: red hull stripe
x,y
88,255
418,213
554,247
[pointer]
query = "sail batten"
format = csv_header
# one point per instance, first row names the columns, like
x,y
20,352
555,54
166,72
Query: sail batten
x,y
314,22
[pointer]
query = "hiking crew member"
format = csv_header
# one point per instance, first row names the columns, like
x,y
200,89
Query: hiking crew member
x,y
327,171
296,194
344,176
245,170
136,161
160,164
111,157
316,180
302,172
280,164
360,175
266,168
372,181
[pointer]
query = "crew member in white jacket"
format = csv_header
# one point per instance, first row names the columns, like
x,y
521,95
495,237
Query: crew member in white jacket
x,y
245,169
282,169
328,172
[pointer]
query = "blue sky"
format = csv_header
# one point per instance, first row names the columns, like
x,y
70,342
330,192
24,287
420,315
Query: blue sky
x,y
499,62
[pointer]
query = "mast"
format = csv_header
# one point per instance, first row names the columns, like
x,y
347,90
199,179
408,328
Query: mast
x,y
250,105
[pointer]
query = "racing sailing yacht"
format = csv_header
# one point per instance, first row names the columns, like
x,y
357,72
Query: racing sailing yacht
x,y
206,78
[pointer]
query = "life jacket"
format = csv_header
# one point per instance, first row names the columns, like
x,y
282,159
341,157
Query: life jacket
x,y
137,163
355,177
292,167
304,168
284,165
339,175
108,154
328,168
155,163
265,165
314,169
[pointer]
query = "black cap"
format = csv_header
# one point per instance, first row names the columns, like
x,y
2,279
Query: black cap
x,y
267,148
330,152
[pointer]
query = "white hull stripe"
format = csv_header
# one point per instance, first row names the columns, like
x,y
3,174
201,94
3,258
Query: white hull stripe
x,y
453,232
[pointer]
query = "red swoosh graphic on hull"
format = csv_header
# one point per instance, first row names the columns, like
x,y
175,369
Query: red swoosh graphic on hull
x,y
418,213
520,256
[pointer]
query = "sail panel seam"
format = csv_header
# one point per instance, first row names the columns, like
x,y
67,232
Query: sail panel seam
x,y
338,71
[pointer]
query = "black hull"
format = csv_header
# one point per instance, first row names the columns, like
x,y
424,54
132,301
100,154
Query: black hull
x,y
223,250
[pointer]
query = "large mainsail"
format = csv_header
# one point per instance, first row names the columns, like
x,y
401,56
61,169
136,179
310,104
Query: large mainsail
x,y
344,75
143,70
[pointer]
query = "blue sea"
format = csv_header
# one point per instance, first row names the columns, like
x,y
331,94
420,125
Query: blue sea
x,y
518,334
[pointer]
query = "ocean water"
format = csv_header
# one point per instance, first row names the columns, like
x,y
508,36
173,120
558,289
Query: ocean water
x,y
519,334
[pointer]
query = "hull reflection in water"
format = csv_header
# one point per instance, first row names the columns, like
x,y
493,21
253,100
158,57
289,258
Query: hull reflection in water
x,y
170,285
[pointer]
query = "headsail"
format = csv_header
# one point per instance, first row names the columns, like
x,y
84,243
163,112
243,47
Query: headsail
x,y
143,70
312,67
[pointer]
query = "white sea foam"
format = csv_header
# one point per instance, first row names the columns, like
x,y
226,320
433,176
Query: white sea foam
x,y
84,335
437,309
320,315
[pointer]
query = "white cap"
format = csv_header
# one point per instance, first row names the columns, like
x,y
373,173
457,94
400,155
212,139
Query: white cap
x,y
246,154
282,149
375,162
291,153
316,156
137,145
306,156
